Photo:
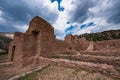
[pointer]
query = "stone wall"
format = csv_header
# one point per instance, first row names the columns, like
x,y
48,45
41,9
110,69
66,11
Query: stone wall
x,y
107,45
39,40
15,51
77,43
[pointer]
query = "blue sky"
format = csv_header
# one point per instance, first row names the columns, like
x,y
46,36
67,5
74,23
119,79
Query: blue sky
x,y
66,16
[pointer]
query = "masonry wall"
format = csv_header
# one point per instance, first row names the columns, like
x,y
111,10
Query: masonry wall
x,y
15,51
76,43
29,45
107,45
39,40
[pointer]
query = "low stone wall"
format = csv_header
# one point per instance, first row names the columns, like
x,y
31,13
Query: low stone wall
x,y
107,45
101,53
42,62
115,61
104,68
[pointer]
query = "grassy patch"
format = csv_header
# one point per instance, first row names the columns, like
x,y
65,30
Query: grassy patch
x,y
61,73
34,75
55,56
76,71
118,70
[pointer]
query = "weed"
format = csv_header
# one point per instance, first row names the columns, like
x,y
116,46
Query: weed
x,y
55,56
76,71
34,75
118,70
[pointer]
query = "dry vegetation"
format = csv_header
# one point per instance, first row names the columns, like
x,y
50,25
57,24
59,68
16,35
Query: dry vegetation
x,y
3,58
60,73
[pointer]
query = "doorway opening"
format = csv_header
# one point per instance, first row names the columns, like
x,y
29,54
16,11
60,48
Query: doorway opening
x,y
13,52
70,48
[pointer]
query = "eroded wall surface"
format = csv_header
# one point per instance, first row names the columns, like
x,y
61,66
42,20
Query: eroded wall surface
x,y
39,40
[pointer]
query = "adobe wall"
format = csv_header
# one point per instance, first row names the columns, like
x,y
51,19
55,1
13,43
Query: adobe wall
x,y
15,50
108,45
39,40
36,41
76,65
29,45
77,43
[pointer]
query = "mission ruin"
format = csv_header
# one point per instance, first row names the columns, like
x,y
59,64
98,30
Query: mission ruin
x,y
39,41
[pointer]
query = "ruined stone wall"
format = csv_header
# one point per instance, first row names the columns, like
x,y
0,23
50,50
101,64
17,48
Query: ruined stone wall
x,y
46,43
107,45
39,40
77,43
83,43
15,51
29,45
38,24
60,47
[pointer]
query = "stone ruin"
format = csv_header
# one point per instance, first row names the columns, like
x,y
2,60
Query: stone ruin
x,y
39,40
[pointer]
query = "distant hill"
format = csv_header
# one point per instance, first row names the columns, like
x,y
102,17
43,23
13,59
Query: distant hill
x,y
4,43
7,34
106,35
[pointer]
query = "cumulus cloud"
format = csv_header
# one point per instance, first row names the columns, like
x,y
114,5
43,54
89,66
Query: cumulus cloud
x,y
21,12
66,16
81,11
104,14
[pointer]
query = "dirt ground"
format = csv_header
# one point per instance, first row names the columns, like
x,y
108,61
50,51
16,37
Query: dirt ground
x,y
61,73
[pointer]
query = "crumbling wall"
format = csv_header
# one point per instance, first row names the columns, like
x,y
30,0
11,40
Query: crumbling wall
x,y
46,43
39,40
15,51
59,47
29,45
77,43
107,45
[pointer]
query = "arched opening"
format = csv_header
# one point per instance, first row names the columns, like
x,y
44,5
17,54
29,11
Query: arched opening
x,y
13,52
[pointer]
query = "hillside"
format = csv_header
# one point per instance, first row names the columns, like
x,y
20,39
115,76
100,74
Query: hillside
x,y
4,43
106,35
7,34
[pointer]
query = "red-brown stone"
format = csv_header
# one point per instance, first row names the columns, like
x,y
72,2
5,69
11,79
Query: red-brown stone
x,y
39,40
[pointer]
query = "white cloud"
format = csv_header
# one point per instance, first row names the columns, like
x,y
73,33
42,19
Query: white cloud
x,y
2,20
63,17
21,27
0,12
101,12
98,17
96,11
38,4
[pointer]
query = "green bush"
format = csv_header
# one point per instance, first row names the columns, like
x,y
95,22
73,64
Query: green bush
x,y
107,35
4,42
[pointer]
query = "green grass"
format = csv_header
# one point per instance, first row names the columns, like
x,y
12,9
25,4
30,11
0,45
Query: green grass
x,y
106,35
34,75
4,42
61,73
118,70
